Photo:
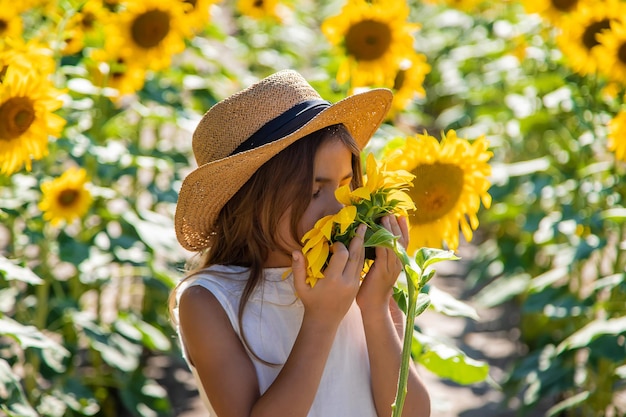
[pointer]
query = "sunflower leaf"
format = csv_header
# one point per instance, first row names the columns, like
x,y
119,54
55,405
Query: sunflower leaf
x,y
381,237
428,256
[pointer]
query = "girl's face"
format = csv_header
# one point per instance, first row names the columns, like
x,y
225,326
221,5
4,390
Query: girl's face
x,y
332,168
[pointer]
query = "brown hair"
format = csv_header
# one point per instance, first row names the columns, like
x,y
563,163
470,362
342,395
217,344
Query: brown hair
x,y
246,227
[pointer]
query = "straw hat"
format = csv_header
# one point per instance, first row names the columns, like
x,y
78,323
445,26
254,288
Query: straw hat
x,y
242,132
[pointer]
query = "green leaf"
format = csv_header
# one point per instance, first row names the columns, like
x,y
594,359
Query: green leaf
x,y
12,271
14,402
423,301
570,402
30,337
592,331
381,237
502,289
617,215
117,351
442,302
449,362
400,297
425,278
78,397
141,331
429,256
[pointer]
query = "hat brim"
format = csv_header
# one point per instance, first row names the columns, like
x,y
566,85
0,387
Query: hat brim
x,y
206,189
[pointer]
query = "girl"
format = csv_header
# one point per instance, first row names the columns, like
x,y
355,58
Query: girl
x,y
258,339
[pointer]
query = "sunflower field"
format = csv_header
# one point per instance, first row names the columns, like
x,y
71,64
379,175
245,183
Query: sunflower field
x,y
511,116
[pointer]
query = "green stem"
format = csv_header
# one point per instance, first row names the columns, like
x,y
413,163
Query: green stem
x,y
398,404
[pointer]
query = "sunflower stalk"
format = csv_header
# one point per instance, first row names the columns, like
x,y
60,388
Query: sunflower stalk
x,y
416,279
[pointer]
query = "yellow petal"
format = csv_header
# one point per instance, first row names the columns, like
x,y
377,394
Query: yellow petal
x,y
342,194
345,217
362,193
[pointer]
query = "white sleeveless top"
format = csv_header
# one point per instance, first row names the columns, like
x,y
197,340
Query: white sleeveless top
x,y
271,322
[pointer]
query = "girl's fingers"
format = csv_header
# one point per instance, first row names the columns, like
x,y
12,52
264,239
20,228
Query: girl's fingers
x,y
298,266
404,231
338,260
356,251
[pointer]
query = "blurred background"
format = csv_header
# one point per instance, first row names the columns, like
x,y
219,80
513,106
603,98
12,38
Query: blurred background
x,y
510,113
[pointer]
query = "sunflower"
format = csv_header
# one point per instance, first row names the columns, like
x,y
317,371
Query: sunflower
x,y
612,51
30,56
450,182
197,13
374,37
465,5
551,10
27,101
382,194
259,9
578,38
10,21
408,82
148,32
84,27
66,197
617,135
114,71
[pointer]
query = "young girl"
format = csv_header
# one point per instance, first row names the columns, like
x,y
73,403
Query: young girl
x,y
258,339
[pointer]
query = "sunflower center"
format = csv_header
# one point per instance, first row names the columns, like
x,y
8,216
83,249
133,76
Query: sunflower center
x,y
67,197
398,81
4,25
621,53
192,2
564,5
16,116
437,187
368,40
150,28
589,35
89,20
258,3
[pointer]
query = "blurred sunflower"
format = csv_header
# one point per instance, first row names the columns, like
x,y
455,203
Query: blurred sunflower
x,y
450,182
465,5
148,32
198,13
375,38
408,82
617,135
113,71
65,198
612,51
10,21
27,101
551,10
578,38
30,56
260,9
84,27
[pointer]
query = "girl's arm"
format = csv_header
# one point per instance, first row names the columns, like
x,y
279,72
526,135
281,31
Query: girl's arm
x,y
227,373
381,316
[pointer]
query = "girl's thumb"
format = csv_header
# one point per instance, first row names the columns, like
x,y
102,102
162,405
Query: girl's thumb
x,y
297,266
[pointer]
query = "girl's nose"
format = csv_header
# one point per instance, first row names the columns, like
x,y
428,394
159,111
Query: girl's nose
x,y
333,206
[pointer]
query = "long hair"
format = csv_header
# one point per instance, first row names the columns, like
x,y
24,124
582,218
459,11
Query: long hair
x,y
246,227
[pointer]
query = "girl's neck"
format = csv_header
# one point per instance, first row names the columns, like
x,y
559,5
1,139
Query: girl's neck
x,y
277,259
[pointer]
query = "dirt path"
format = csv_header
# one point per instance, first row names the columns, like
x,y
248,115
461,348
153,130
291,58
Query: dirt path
x,y
493,338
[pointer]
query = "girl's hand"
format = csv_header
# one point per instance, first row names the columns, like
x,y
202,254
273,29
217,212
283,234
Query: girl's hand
x,y
333,295
378,284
